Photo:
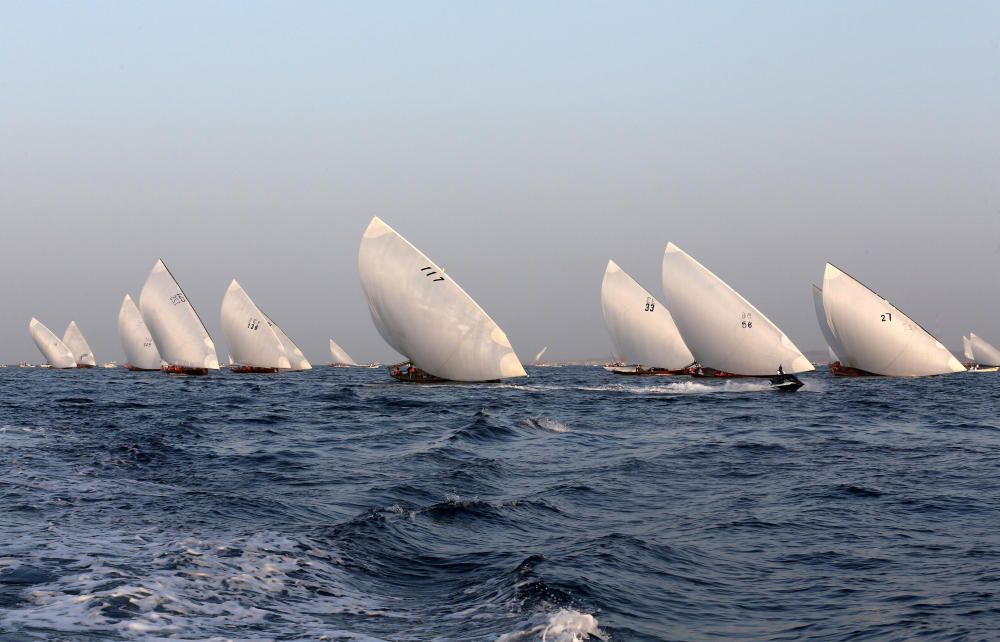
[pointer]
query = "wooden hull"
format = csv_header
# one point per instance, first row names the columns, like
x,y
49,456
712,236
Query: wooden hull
x,y
839,370
412,374
184,370
252,370
639,371
702,372
83,365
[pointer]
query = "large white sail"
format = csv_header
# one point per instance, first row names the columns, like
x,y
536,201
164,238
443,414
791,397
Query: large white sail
x,y
75,341
137,342
967,349
831,341
428,317
56,353
721,328
251,339
876,336
983,351
339,355
296,359
176,328
642,330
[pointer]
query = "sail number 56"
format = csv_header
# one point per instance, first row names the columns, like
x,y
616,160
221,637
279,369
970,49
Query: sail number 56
x,y
747,321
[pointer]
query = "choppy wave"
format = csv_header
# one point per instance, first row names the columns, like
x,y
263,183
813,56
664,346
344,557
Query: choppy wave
x,y
575,505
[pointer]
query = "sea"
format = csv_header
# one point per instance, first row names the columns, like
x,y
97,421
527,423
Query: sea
x,y
338,504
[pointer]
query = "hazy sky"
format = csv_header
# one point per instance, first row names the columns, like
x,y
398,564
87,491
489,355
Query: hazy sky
x,y
519,145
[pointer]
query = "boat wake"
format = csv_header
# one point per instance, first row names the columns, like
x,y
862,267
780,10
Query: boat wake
x,y
682,388
565,625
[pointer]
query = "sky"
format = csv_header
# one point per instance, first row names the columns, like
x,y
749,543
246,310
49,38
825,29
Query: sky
x,y
520,145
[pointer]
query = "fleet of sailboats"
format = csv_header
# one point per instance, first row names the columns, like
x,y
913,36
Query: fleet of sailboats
x,y
427,317
705,328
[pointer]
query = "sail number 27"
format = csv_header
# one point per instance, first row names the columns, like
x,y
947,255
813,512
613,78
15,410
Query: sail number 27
x,y
747,321
887,317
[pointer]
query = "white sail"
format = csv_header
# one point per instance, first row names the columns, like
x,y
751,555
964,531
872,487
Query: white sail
x,y
836,351
983,351
56,353
967,349
721,328
876,336
137,342
251,339
642,330
174,324
538,357
339,355
296,359
75,341
426,316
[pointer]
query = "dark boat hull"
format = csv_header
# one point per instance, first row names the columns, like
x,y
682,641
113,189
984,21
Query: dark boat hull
x,y
253,370
184,370
639,371
129,366
412,374
786,383
839,370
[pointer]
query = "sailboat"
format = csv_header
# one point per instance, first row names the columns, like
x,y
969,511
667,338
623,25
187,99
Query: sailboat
x,y
297,361
967,351
340,357
985,357
253,343
137,342
56,353
538,357
75,341
644,335
175,326
875,337
427,317
837,365
727,335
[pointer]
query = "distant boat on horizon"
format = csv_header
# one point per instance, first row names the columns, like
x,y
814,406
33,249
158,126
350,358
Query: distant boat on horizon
x,y
427,317
983,356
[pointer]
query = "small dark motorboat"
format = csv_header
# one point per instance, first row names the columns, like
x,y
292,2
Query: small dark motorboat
x,y
785,382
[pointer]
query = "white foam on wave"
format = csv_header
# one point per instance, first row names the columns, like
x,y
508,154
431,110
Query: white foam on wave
x,y
682,388
565,625
200,588
545,423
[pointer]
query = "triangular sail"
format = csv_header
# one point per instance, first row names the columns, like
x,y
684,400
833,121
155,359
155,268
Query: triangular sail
x,y
723,330
56,353
426,316
836,351
878,337
174,324
983,352
538,357
251,339
967,349
339,355
75,341
137,342
642,329
296,359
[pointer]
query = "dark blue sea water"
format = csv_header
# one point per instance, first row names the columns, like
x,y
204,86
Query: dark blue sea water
x,y
338,504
